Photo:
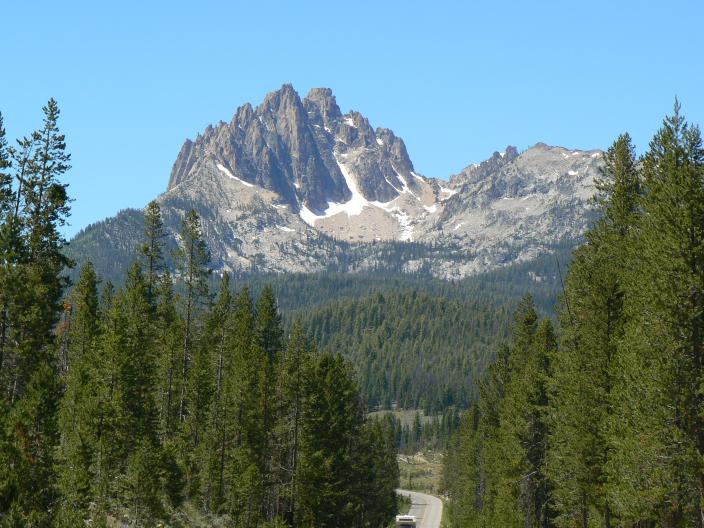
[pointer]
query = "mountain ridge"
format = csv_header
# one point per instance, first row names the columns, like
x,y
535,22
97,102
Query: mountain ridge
x,y
295,185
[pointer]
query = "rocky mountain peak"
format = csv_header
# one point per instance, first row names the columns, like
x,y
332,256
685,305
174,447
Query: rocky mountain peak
x,y
510,153
243,116
479,171
291,170
306,151
322,106
280,100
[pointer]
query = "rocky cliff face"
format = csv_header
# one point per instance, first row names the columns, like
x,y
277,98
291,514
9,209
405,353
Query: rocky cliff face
x,y
302,150
296,185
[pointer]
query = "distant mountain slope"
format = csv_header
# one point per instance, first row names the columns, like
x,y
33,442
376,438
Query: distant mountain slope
x,y
414,340
295,185
411,348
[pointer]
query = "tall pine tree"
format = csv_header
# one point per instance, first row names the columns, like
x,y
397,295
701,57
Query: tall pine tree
x,y
78,446
592,327
192,260
658,431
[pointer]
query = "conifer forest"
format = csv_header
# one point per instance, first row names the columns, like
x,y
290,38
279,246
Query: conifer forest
x,y
596,419
171,398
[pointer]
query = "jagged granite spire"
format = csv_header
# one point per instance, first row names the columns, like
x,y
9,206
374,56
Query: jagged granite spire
x,y
296,148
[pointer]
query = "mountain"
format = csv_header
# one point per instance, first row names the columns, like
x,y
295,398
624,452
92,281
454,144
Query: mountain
x,y
295,185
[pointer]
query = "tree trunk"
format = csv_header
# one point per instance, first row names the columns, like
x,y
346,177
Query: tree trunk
x,y
607,517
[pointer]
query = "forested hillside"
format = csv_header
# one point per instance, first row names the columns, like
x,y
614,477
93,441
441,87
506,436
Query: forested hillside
x,y
600,423
383,322
160,401
414,340
411,349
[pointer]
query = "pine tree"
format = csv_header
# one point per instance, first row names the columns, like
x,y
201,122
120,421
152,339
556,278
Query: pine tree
x,y
215,441
138,370
293,370
268,341
111,417
512,469
153,248
592,323
6,192
326,490
204,426
376,475
656,468
46,202
496,470
464,471
244,461
126,413
192,261
77,449
141,486
7,196
169,341
268,332
32,250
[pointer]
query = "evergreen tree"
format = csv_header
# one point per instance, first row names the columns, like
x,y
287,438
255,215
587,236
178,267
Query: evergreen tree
x,y
153,247
45,200
328,445
512,469
142,485
462,473
6,193
139,359
169,341
77,448
500,477
113,439
6,294
592,327
192,260
377,475
268,337
243,461
294,368
33,262
215,439
656,469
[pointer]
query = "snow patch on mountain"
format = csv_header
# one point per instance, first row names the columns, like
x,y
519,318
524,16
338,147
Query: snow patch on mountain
x,y
232,176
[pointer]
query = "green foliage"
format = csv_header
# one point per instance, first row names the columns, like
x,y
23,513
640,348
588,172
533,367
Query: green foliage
x,y
329,434
153,249
33,205
81,329
495,471
657,386
121,407
411,349
609,424
192,259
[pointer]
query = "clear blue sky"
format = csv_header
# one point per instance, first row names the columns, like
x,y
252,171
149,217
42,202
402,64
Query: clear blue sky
x,y
457,80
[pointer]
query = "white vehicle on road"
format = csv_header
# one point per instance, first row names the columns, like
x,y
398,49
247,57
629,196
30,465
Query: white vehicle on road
x,y
406,521
426,510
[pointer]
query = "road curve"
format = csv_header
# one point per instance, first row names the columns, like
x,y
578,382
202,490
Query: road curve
x,y
427,508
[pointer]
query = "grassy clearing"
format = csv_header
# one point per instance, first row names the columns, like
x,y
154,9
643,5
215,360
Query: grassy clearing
x,y
421,472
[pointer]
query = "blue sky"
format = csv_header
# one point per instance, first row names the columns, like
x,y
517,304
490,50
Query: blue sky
x,y
456,80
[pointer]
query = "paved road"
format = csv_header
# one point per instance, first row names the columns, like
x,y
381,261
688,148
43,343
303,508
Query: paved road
x,y
427,508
